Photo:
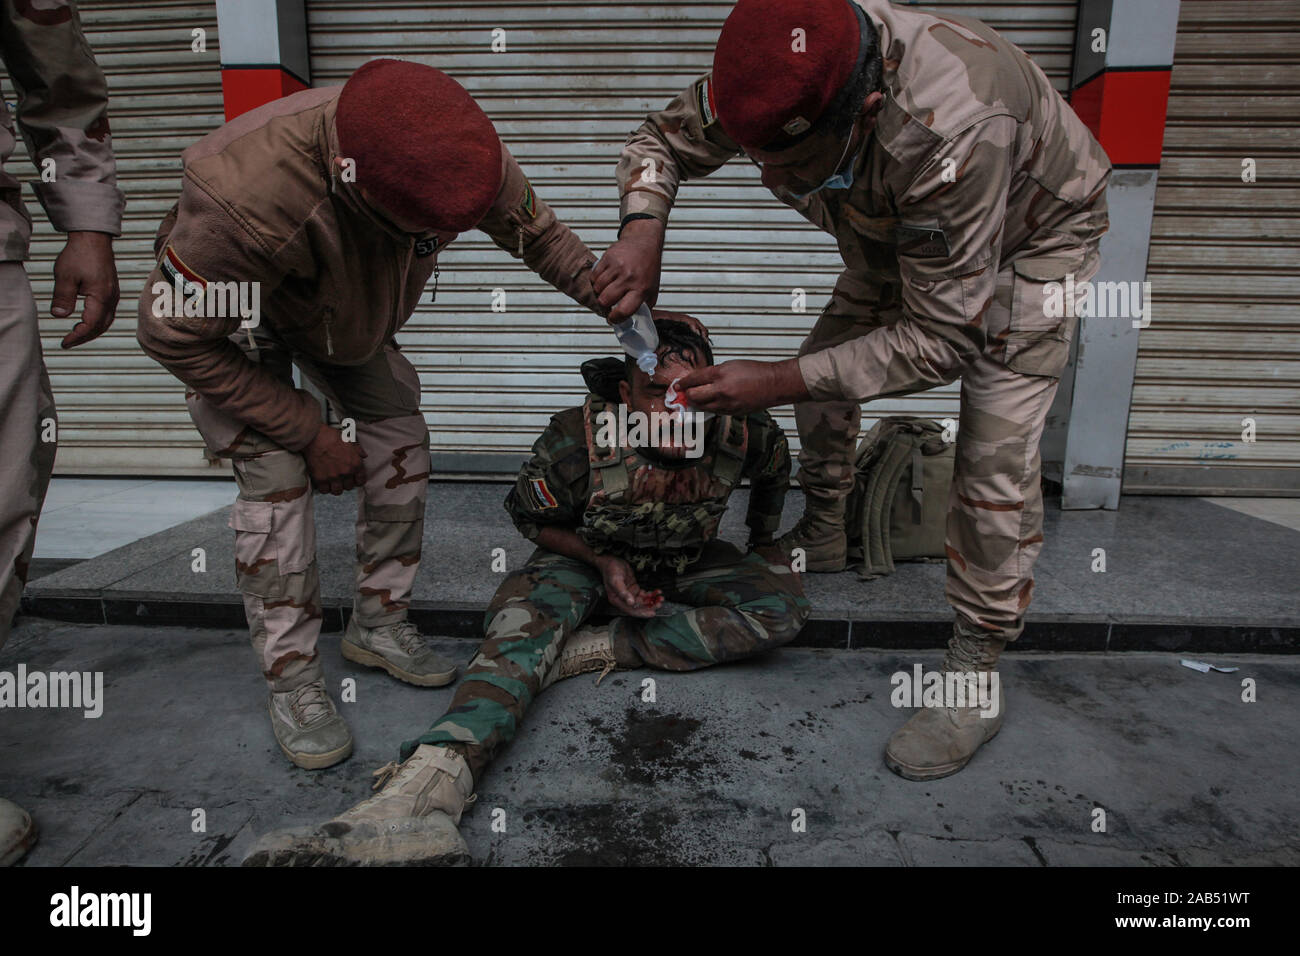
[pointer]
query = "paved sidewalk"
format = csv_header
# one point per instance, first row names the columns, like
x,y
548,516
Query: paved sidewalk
x,y
86,517
711,772
1180,574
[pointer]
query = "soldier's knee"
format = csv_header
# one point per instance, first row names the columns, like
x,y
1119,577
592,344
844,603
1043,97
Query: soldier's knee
x,y
780,615
281,474
791,618
510,603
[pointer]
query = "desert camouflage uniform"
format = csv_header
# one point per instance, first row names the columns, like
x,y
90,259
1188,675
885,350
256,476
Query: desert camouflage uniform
x,y
739,604
275,531
979,185
261,202
63,115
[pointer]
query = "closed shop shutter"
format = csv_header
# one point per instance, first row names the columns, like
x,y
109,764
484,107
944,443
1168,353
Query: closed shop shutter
x,y
573,80
120,413
1224,341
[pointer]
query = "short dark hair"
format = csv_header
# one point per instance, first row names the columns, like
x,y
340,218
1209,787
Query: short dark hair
x,y
678,338
865,82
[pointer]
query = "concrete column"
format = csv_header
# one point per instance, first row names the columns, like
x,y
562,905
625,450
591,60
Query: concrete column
x,y
1124,54
263,51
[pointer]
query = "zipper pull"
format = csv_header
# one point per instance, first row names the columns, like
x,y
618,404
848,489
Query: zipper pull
x,y
329,340
433,296
521,242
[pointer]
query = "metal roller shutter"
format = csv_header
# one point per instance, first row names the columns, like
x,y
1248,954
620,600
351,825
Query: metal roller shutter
x,y
574,80
119,412
571,85
1224,341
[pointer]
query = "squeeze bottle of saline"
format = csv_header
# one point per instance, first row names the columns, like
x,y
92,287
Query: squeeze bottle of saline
x,y
639,339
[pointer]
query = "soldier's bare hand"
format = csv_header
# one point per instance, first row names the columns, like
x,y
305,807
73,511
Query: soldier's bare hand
x,y
628,273
622,590
335,466
85,268
742,386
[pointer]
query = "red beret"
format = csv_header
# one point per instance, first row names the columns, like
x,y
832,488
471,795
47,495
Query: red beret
x,y
772,83
421,144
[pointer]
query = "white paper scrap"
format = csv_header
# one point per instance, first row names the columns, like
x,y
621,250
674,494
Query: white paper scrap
x,y
1205,668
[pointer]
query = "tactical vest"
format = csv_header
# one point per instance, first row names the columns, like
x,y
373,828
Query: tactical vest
x,y
651,516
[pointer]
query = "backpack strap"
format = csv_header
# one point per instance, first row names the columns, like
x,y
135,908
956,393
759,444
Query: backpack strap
x,y
606,461
877,558
733,441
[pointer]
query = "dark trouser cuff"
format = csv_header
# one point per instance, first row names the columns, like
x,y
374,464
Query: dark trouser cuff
x,y
623,632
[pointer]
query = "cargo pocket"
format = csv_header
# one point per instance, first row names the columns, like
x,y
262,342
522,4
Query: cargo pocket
x,y
256,570
273,539
1038,342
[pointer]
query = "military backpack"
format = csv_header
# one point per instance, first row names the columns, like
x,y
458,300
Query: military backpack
x,y
898,508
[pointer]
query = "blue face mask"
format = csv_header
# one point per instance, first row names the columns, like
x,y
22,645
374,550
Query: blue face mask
x,y
837,181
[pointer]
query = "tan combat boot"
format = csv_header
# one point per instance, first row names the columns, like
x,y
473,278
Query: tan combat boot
x,y
820,533
17,832
412,820
585,651
399,649
938,741
309,730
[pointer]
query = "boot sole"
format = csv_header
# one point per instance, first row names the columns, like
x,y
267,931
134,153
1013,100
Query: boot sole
x,y
416,841
908,772
314,761
19,849
359,655
318,761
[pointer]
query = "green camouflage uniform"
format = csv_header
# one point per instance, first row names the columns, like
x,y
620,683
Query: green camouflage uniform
x,y
62,112
740,604
978,186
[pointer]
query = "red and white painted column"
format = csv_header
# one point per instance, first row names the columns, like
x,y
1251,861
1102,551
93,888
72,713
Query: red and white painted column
x,y
1123,60
263,51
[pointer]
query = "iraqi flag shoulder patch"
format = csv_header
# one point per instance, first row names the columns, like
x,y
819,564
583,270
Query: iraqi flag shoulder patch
x,y
528,205
540,496
176,271
704,99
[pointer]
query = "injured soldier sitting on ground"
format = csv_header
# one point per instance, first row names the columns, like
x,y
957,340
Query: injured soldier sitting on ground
x,y
619,511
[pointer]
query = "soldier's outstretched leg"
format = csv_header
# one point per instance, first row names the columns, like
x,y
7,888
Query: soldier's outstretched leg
x,y
828,431
275,567
995,516
414,817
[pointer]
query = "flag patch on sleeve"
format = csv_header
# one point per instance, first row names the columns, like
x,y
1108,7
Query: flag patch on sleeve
x,y
708,107
175,270
540,495
528,204
777,458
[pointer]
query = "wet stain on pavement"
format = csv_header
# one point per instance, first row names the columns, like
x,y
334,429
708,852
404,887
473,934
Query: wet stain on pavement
x,y
652,746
